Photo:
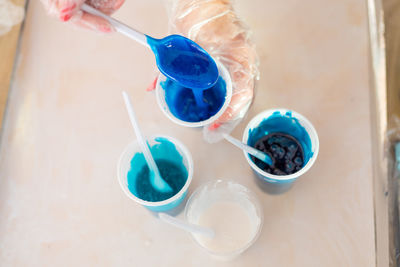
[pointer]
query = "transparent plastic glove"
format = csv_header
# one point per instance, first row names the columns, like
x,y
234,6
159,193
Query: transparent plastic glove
x,y
69,10
10,15
215,26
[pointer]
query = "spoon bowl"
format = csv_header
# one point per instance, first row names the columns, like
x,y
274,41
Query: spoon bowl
x,y
184,61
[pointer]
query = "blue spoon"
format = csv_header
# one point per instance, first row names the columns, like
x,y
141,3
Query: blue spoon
x,y
177,57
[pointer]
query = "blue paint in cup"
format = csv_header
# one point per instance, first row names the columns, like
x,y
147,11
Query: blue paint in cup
x,y
194,108
175,165
185,104
287,122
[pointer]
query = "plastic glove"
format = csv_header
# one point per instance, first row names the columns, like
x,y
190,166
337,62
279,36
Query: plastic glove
x,y
10,15
69,10
214,25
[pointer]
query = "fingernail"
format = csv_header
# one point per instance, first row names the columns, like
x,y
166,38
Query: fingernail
x,y
68,8
214,126
105,29
65,17
152,86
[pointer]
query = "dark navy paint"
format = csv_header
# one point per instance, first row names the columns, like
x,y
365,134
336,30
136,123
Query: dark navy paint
x,y
284,149
285,125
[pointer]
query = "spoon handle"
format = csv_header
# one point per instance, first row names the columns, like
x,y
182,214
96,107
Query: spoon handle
x,y
119,26
251,150
160,184
192,228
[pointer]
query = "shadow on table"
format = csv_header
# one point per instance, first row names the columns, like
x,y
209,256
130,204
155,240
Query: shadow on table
x,y
175,211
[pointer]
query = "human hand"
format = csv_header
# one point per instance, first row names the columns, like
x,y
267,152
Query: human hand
x,y
70,10
214,25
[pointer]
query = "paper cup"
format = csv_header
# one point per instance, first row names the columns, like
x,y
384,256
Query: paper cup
x,y
226,192
160,95
308,127
124,166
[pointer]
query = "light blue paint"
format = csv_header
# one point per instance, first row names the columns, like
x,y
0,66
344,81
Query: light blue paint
x,y
182,60
194,105
282,123
172,169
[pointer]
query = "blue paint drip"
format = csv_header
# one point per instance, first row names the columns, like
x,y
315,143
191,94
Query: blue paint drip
x,y
194,105
282,123
170,164
184,61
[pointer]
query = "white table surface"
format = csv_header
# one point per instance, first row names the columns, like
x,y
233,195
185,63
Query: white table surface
x,y
65,127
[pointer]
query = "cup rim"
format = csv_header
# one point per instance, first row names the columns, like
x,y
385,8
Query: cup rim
x,y
125,189
254,200
165,109
310,130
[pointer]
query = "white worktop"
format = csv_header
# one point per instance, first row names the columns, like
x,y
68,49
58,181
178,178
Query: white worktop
x,y
65,127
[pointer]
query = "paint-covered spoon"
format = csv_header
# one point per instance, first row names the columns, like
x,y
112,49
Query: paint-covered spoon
x,y
184,61
251,150
155,178
177,57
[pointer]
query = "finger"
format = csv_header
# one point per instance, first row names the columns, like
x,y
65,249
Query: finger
x,y
68,8
94,23
106,6
239,103
152,86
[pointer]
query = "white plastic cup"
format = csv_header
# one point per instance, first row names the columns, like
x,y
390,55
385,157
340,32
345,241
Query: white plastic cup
x,y
282,179
226,191
160,96
124,166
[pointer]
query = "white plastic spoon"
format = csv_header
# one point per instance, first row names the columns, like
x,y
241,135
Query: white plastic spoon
x,y
119,26
251,150
189,227
177,57
155,178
